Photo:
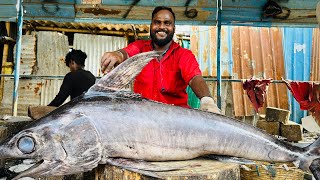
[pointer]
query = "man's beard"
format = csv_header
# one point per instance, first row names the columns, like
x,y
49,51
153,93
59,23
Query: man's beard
x,y
161,42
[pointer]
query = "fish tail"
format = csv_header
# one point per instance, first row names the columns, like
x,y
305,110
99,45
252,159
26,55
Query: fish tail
x,y
315,168
312,161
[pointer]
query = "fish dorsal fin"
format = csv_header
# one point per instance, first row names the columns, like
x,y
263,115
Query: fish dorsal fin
x,y
123,74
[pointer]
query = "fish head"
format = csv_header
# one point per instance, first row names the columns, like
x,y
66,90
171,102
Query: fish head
x,y
66,145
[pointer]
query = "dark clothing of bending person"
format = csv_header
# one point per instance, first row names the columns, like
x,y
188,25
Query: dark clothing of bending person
x,y
76,81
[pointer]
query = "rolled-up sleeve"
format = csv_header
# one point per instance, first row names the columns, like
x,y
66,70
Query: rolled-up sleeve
x,y
189,66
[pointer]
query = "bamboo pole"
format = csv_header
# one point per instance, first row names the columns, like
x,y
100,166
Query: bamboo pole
x,y
4,61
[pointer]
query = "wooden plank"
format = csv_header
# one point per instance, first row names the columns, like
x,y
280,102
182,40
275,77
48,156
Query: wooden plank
x,y
8,11
42,11
14,2
14,123
204,169
149,3
36,112
50,2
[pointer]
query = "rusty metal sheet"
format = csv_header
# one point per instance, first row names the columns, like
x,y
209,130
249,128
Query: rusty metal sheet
x,y
49,90
94,46
31,92
245,52
51,50
28,54
315,58
203,45
258,52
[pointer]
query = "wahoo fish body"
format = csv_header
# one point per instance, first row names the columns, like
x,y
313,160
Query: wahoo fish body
x,y
108,123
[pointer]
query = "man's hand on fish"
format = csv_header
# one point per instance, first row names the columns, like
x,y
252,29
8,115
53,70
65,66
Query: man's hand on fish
x,y
110,60
208,104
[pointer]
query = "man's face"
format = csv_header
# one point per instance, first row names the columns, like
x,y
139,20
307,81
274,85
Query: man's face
x,y
162,28
72,66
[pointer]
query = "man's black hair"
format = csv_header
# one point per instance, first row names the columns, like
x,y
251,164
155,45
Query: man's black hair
x,y
159,8
77,56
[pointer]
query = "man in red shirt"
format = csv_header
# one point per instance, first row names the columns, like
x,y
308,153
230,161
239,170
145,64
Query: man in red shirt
x,y
164,79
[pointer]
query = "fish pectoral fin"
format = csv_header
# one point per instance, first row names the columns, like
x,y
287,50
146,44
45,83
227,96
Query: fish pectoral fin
x,y
147,173
142,165
230,159
123,74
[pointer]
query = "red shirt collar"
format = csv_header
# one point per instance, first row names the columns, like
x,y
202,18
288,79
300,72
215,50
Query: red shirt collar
x,y
173,46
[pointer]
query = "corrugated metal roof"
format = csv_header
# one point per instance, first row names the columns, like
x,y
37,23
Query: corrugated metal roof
x,y
92,26
95,46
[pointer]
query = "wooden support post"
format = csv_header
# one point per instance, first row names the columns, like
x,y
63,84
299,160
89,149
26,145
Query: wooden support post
x,y
4,61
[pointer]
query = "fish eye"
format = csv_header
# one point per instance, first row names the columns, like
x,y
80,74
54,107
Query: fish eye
x,y
26,144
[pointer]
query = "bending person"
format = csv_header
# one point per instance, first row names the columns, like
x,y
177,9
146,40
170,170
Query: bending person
x,y
76,81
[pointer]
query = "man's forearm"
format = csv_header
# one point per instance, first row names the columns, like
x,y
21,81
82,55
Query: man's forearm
x,y
199,87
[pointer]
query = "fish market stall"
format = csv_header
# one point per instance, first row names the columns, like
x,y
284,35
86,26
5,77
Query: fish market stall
x,y
78,137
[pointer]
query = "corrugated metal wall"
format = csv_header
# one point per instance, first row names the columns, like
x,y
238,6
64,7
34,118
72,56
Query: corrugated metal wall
x,y
289,53
315,60
245,52
31,92
203,45
28,54
258,52
95,46
51,48
297,45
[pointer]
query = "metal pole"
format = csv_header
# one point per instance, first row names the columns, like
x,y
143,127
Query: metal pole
x,y
218,53
18,55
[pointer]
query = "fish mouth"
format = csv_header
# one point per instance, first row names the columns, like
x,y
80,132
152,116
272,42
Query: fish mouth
x,y
36,169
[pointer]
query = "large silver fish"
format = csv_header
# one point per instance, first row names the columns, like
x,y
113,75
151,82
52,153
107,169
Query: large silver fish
x,y
107,123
